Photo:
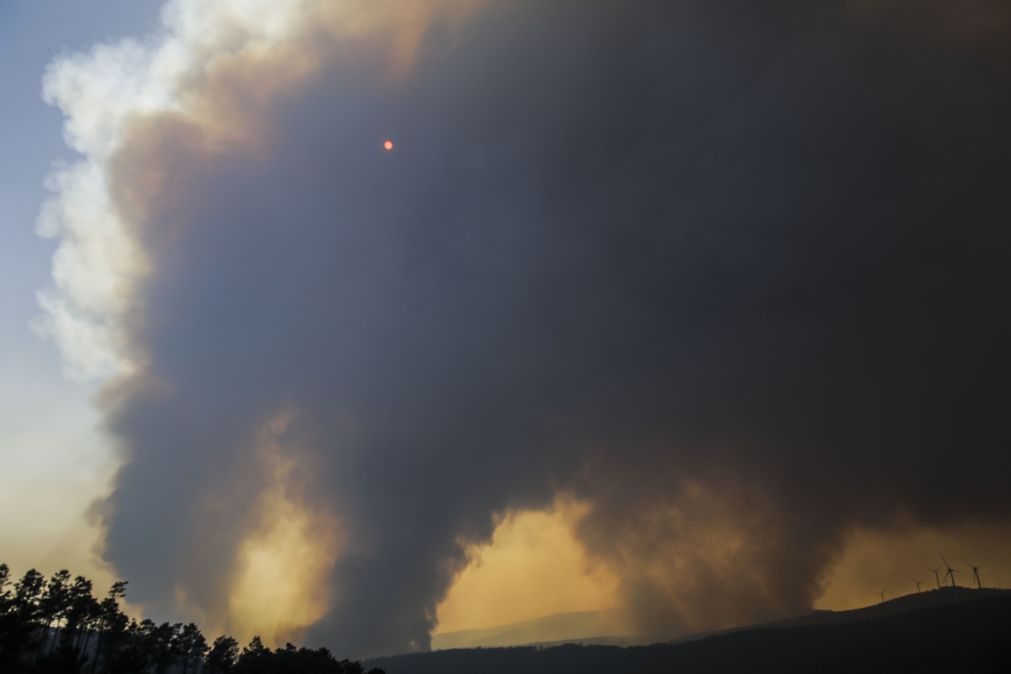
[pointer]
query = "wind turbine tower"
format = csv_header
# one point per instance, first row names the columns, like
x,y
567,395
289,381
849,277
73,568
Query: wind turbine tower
x,y
937,578
975,576
918,584
951,571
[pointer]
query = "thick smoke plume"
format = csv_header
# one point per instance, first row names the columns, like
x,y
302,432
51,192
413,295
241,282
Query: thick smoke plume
x,y
734,274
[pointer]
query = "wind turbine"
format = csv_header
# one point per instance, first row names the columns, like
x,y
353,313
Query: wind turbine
x,y
937,578
951,571
882,595
975,575
918,584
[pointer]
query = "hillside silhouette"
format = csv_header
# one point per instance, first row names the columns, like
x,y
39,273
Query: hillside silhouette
x,y
943,596
948,630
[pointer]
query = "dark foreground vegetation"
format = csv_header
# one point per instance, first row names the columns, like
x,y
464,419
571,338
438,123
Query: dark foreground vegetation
x,y
56,626
970,636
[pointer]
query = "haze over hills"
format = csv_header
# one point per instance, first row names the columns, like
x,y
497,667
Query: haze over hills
x,y
578,626
947,630
605,627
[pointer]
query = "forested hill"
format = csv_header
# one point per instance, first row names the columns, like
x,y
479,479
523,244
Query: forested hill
x,y
969,636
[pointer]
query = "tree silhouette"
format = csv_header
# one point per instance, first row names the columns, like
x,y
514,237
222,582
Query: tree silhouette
x,y
112,625
222,655
191,646
22,611
54,605
56,626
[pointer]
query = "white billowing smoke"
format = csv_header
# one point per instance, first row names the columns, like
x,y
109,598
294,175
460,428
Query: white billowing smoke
x,y
97,261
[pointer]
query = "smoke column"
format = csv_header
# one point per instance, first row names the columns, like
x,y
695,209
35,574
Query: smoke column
x,y
733,275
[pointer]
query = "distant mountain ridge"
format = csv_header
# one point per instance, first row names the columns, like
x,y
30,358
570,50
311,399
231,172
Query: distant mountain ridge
x,y
577,626
603,628
947,631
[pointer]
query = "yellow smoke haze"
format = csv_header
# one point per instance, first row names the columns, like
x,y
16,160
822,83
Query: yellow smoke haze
x,y
533,567
889,560
280,580
280,586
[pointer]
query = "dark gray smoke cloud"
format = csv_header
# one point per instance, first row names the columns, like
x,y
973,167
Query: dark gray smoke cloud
x,y
736,273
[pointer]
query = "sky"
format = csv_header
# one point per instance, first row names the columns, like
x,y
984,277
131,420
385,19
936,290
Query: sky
x,y
693,314
54,462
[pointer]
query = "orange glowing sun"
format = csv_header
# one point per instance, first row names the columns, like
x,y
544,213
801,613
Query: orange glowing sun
x,y
388,145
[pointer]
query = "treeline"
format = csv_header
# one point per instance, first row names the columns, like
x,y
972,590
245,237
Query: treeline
x,y
55,625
